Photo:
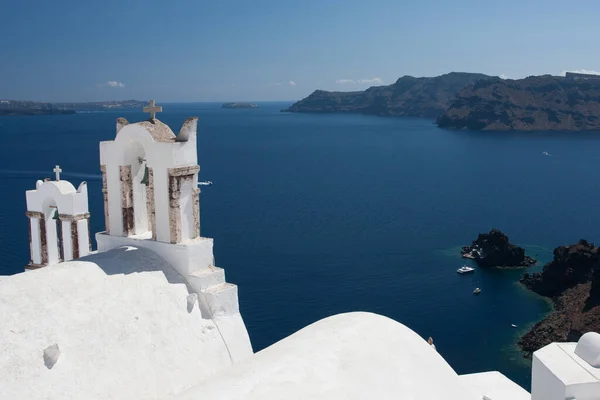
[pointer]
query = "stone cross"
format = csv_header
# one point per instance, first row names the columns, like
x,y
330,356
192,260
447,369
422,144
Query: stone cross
x,y
152,109
57,171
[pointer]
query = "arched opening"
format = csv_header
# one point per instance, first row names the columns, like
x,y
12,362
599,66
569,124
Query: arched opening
x,y
51,235
135,158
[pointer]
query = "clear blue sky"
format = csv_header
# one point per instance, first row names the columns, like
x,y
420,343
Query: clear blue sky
x,y
200,50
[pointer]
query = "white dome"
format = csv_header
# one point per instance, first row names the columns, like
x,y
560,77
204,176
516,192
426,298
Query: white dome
x,y
348,356
588,348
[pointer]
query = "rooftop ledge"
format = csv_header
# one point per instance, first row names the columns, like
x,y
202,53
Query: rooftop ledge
x,y
148,236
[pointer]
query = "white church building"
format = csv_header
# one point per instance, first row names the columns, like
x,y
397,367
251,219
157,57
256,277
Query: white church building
x,y
148,315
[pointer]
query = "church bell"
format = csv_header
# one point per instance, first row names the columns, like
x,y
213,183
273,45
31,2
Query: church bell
x,y
145,178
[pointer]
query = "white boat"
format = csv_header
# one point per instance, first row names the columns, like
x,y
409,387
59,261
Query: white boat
x,y
465,270
513,325
476,291
206,183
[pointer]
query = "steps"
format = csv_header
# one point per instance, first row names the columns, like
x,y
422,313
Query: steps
x,y
206,278
222,299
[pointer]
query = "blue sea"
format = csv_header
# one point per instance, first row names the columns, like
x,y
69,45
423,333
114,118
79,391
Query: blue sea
x,y
315,215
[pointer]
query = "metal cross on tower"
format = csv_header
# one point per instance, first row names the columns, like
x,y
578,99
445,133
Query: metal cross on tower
x,y
57,171
152,109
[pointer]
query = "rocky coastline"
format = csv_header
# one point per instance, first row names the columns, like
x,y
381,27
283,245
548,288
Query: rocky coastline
x,y
572,281
493,249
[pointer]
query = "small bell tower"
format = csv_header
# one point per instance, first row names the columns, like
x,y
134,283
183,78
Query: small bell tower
x,y
58,222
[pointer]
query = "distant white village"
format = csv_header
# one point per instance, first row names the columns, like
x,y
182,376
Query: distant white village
x,y
149,315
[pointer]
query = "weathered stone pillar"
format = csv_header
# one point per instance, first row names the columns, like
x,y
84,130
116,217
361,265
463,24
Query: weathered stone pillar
x,y
150,205
89,237
43,241
174,210
196,211
35,239
105,195
76,232
181,184
74,240
127,200
69,244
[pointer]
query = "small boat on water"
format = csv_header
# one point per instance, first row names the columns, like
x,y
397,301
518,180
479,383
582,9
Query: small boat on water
x,y
476,291
513,325
206,183
465,270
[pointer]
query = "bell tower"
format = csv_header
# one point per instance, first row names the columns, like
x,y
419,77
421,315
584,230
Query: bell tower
x,y
152,200
150,181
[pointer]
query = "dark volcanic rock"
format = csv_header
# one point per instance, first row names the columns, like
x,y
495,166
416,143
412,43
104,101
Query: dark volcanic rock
x,y
572,280
409,96
571,266
576,312
494,250
534,103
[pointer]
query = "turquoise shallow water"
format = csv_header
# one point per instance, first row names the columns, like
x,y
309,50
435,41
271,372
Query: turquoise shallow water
x,y
314,215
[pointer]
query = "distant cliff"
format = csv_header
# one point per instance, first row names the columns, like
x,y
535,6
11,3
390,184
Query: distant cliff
x,y
534,103
239,105
18,107
409,96
572,281
103,105
9,112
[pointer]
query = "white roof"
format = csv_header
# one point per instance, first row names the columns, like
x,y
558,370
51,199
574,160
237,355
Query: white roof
x,y
348,356
494,386
560,358
64,187
121,324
